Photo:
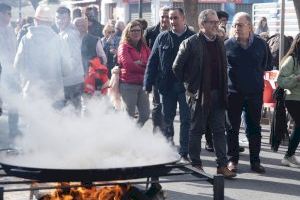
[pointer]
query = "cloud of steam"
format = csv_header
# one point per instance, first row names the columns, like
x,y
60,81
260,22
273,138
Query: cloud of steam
x,y
103,138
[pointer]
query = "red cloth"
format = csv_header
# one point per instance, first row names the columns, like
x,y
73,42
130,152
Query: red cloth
x,y
269,78
130,71
96,71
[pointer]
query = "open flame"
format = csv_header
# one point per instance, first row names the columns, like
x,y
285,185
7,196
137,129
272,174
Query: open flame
x,y
87,193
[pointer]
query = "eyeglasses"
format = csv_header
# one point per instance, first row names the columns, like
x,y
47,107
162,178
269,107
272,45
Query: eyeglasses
x,y
212,22
174,18
240,25
111,32
135,30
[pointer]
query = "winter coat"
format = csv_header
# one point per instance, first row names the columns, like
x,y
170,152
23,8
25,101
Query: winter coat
x,y
91,47
8,45
113,43
131,72
42,61
274,45
72,37
287,78
246,67
159,67
151,34
189,64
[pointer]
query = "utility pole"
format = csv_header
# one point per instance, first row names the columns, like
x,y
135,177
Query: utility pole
x,y
282,13
20,10
140,9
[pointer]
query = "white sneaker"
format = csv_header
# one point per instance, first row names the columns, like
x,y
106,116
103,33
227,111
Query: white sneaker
x,y
291,161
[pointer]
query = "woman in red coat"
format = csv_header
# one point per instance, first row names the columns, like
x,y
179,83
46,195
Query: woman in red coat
x,y
133,55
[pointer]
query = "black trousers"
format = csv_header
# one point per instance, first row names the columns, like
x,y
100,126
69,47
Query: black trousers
x,y
251,105
293,108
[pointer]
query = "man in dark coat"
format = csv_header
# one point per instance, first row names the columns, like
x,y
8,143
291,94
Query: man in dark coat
x,y
201,65
150,35
159,68
248,58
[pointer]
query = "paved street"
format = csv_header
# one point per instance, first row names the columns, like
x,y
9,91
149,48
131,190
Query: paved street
x,y
278,183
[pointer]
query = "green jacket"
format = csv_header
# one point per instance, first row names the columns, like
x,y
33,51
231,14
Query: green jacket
x,y
290,69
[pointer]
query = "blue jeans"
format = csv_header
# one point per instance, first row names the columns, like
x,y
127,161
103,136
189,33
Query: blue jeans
x,y
169,106
157,118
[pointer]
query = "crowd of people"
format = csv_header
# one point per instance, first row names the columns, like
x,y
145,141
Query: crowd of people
x,y
215,75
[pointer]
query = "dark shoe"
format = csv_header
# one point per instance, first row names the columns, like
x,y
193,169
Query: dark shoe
x,y
199,167
232,166
226,172
184,160
257,167
241,149
209,147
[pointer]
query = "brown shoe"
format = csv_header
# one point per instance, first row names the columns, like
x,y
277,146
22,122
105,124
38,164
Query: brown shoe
x,y
226,172
232,166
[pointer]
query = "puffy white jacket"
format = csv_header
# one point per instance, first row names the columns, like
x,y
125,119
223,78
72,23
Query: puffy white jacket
x,y
72,37
8,45
42,61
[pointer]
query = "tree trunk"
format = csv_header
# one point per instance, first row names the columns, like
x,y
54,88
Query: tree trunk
x,y
191,13
297,8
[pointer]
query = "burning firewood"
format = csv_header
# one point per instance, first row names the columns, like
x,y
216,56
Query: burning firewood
x,y
65,191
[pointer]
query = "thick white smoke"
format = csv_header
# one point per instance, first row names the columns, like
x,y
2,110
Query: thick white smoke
x,y
103,138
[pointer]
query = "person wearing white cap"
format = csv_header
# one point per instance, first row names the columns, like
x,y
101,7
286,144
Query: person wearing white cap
x,y
42,60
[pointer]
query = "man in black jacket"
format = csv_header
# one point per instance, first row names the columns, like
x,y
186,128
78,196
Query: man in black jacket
x,y
248,58
150,35
201,65
159,68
